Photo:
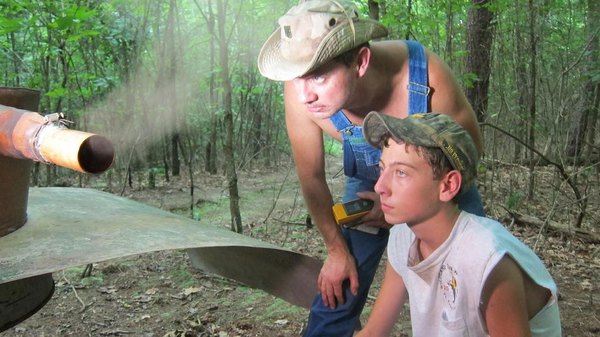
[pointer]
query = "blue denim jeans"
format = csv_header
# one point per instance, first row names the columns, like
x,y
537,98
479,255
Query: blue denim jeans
x,y
367,250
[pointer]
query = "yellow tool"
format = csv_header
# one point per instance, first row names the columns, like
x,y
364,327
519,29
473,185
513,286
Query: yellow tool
x,y
352,210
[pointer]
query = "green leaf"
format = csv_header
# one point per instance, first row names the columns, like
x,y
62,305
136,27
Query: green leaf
x,y
56,93
83,34
73,17
81,13
9,25
63,22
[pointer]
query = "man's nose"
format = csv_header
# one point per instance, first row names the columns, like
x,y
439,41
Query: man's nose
x,y
305,93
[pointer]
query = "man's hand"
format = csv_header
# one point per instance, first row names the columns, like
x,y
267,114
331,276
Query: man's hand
x,y
338,267
375,217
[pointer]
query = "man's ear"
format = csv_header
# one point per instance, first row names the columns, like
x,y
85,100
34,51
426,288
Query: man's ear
x,y
450,185
362,60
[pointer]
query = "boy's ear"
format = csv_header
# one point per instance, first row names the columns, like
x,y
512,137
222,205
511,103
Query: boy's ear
x,y
450,185
362,60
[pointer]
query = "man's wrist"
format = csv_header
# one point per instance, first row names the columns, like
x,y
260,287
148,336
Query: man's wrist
x,y
339,249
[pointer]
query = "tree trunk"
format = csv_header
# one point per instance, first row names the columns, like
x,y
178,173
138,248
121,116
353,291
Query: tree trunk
x,y
175,161
234,198
374,9
591,101
16,57
409,27
449,34
532,106
585,119
165,150
522,80
211,146
174,101
479,43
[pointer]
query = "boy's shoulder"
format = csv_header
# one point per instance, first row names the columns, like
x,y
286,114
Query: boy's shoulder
x,y
490,241
484,228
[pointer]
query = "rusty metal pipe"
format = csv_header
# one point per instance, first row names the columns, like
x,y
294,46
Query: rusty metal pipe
x,y
29,135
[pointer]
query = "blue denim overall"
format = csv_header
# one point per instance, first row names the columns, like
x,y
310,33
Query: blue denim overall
x,y
360,167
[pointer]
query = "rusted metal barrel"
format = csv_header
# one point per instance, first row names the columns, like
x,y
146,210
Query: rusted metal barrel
x,y
21,298
14,173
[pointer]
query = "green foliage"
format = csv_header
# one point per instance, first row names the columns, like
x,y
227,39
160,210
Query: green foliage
x,y
594,75
183,277
73,274
57,92
156,170
469,79
278,307
123,70
481,169
10,25
514,199
332,146
93,280
281,308
197,214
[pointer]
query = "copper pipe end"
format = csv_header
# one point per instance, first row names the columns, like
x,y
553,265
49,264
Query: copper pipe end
x,y
96,154
77,150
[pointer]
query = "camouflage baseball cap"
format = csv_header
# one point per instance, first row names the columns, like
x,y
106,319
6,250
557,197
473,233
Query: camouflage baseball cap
x,y
427,130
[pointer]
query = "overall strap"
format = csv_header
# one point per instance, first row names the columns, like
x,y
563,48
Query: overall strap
x,y
340,121
344,127
418,85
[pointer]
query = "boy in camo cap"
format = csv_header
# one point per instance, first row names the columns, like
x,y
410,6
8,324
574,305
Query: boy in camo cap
x,y
463,275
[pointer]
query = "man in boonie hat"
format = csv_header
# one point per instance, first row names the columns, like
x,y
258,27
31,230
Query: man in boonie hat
x,y
463,275
334,74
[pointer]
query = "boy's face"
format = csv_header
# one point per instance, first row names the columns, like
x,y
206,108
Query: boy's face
x,y
326,90
406,186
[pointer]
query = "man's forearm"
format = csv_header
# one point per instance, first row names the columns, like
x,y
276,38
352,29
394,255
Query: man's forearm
x,y
319,201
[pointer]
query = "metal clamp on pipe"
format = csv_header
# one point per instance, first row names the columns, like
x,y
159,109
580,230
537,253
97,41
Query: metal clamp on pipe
x,y
29,135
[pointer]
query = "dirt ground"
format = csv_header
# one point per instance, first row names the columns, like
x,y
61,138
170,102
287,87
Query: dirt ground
x,y
161,294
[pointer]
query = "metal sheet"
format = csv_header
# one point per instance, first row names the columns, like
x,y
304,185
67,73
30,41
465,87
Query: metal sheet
x,y
69,227
20,299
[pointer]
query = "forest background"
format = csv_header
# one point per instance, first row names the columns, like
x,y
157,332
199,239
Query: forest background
x,y
174,84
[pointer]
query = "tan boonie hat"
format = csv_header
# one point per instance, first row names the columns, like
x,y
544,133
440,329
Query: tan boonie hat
x,y
427,130
311,34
